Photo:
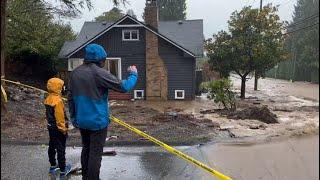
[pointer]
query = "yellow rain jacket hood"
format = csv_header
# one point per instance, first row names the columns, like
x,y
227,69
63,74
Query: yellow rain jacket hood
x,y
55,85
54,106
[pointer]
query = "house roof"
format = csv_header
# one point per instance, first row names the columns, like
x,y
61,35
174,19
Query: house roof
x,y
186,35
88,31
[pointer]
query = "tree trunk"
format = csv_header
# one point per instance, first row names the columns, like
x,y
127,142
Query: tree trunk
x,y
256,77
243,87
3,20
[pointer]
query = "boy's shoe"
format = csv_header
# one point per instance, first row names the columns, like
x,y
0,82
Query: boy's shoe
x,y
53,169
64,174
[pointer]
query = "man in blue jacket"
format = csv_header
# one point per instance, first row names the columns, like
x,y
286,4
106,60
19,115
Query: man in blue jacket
x,y
88,105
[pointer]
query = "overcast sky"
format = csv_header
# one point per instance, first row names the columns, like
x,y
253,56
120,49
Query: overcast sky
x,y
215,13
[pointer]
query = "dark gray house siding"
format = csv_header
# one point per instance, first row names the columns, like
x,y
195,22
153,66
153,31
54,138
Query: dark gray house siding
x,y
181,70
180,66
130,52
127,21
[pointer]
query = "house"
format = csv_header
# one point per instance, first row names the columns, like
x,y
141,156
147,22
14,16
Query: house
x,y
164,52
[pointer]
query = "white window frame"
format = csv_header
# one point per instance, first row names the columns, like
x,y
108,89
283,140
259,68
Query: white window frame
x,y
130,31
119,65
74,63
176,94
135,92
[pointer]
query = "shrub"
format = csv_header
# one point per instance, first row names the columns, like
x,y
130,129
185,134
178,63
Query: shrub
x,y
220,91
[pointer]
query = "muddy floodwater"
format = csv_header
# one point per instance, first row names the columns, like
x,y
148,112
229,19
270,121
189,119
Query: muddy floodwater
x,y
277,87
296,105
290,159
293,159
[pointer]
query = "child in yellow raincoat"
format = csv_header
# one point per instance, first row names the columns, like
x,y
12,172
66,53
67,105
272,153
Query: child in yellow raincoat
x,y
57,127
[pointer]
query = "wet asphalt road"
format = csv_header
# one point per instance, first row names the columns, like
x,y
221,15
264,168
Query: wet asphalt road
x,y
286,160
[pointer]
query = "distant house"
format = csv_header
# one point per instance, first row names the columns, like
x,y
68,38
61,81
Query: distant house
x,y
164,52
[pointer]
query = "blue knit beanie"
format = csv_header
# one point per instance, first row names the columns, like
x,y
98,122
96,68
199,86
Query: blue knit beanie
x,y
95,53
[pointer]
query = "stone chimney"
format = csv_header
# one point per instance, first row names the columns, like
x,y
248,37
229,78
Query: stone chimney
x,y
151,13
156,71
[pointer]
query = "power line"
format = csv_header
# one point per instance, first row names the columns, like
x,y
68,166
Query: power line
x,y
300,29
303,20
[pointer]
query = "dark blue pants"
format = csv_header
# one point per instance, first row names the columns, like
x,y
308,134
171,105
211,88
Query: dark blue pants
x,y
57,145
91,155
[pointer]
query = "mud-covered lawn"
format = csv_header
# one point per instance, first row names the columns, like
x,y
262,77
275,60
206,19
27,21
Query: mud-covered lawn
x,y
169,126
25,121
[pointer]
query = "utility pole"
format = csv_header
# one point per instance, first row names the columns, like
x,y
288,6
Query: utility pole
x,y
294,64
256,76
275,71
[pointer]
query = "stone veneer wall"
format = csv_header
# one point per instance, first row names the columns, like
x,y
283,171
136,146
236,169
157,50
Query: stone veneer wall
x,y
156,71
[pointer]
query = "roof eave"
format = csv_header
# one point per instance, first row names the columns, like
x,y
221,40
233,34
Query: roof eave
x,y
119,21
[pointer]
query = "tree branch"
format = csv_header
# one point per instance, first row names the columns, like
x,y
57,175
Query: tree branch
x,y
238,72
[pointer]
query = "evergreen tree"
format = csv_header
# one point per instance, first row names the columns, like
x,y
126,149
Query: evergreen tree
x,y
303,41
171,10
113,15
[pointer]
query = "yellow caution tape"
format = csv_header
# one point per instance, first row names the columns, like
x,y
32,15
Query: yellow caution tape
x,y
154,140
4,94
172,150
24,85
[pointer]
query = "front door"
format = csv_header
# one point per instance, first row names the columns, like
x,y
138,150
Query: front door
x,y
114,66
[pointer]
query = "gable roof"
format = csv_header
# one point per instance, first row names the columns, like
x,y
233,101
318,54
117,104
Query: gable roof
x,y
187,36
88,31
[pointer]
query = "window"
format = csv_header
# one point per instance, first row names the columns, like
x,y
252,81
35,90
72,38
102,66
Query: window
x,y
114,66
74,63
179,94
134,35
130,35
138,94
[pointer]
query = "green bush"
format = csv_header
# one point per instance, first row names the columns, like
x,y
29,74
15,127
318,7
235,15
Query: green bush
x,y
33,65
220,92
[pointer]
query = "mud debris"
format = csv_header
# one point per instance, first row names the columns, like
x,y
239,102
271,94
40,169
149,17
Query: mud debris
x,y
207,111
262,113
109,153
257,126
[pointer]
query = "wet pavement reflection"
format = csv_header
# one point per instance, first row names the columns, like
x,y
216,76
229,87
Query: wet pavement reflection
x,y
289,159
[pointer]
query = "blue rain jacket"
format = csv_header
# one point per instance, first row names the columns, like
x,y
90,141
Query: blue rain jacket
x,y
88,95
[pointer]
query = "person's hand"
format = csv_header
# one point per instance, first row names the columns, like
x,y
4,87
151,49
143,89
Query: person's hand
x,y
132,69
